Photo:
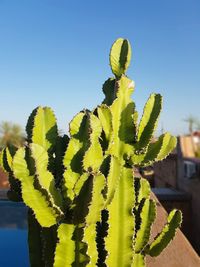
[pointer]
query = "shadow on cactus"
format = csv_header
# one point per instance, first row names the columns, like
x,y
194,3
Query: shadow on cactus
x,y
86,208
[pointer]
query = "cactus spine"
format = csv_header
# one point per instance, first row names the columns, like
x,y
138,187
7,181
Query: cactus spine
x,y
86,207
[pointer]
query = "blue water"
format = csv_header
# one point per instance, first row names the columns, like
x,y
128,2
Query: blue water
x,y
13,235
13,248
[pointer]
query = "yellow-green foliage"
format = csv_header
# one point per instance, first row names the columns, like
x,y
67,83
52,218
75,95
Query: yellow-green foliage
x,y
86,207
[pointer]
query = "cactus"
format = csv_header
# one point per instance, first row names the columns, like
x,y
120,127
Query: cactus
x,y
86,207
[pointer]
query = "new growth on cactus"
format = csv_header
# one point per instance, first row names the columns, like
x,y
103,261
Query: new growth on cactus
x,y
86,207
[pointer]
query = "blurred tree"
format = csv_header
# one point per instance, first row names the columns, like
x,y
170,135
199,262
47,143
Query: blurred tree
x,y
11,133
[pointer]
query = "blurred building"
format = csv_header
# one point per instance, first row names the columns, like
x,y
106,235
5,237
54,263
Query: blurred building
x,y
180,173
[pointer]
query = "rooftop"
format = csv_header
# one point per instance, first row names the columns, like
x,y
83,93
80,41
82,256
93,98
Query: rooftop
x,y
163,193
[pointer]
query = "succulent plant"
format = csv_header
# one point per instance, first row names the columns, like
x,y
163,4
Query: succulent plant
x,y
86,207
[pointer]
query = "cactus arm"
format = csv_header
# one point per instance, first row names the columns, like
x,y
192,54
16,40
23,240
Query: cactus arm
x,y
74,154
94,155
87,207
97,201
121,110
160,149
70,251
118,242
80,205
64,253
32,197
58,168
127,128
138,260
6,158
42,128
105,118
149,120
4,161
89,200
94,215
78,126
14,192
79,184
73,157
147,215
120,56
104,114
169,143
156,151
30,124
8,155
89,238
166,235
113,178
44,177
142,189
73,151
69,182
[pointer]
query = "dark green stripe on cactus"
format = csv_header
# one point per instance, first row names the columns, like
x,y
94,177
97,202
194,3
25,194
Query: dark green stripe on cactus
x,y
35,241
147,217
42,128
142,189
57,166
148,122
119,241
14,192
109,90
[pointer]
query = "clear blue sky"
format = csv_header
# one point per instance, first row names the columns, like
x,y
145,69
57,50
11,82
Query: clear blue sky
x,y
55,53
